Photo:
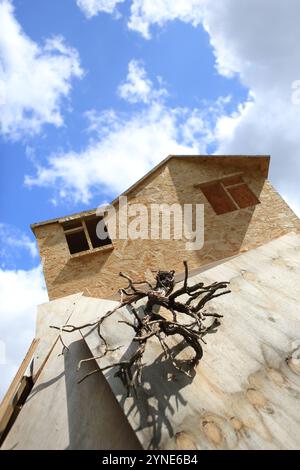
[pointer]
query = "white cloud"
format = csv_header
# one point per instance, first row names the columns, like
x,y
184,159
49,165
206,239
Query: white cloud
x,y
20,293
34,79
123,153
138,87
92,7
119,155
145,13
252,40
126,146
13,242
259,43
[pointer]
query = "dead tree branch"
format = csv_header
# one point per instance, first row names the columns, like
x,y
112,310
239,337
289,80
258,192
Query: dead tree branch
x,y
152,324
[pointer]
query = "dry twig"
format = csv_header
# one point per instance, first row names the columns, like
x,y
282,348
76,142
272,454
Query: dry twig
x,y
151,323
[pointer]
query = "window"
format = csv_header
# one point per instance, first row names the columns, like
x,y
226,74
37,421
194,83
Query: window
x,y
91,225
218,198
229,194
77,242
81,234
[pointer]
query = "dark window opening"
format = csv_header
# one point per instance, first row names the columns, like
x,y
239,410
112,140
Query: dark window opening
x,y
70,224
91,225
81,234
77,242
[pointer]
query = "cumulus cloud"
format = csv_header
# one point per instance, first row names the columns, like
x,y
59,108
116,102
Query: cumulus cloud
x,y
252,40
258,43
121,153
92,7
34,79
125,146
145,13
20,293
138,87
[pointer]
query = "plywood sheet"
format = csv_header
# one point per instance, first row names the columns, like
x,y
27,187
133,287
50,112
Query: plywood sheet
x,y
56,312
60,414
246,389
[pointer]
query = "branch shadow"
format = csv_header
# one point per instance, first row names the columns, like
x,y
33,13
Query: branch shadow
x,y
158,398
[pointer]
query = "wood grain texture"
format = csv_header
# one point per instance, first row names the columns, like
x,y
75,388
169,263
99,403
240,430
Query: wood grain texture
x,y
97,274
59,414
56,312
243,196
218,198
245,393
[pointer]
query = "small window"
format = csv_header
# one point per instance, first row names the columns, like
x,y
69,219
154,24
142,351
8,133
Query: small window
x,y
243,196
91,225
81,234
218,198
229,194
77,242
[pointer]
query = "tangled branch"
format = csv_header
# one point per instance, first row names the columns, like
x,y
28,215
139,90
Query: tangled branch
x,y
188,321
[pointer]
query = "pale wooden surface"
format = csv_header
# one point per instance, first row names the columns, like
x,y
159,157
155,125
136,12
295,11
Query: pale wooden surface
x,y
245,395
50,313
60,414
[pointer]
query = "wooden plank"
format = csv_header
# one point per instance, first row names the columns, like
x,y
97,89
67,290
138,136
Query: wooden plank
x,y
12,411
232,180
7,404
87,234
94,250
245,390
221,179
243,196
218,198
73,230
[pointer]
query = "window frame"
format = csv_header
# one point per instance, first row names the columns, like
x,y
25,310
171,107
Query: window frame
x,y
83,228
237,181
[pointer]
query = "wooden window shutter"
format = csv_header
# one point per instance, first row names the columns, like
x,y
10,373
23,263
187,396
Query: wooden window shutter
x,y
218,198
243,196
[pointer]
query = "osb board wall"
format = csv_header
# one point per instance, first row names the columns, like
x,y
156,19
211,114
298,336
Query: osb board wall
x,y
96,274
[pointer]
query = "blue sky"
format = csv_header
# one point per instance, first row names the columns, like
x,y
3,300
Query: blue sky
x,y
178,53
96,92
